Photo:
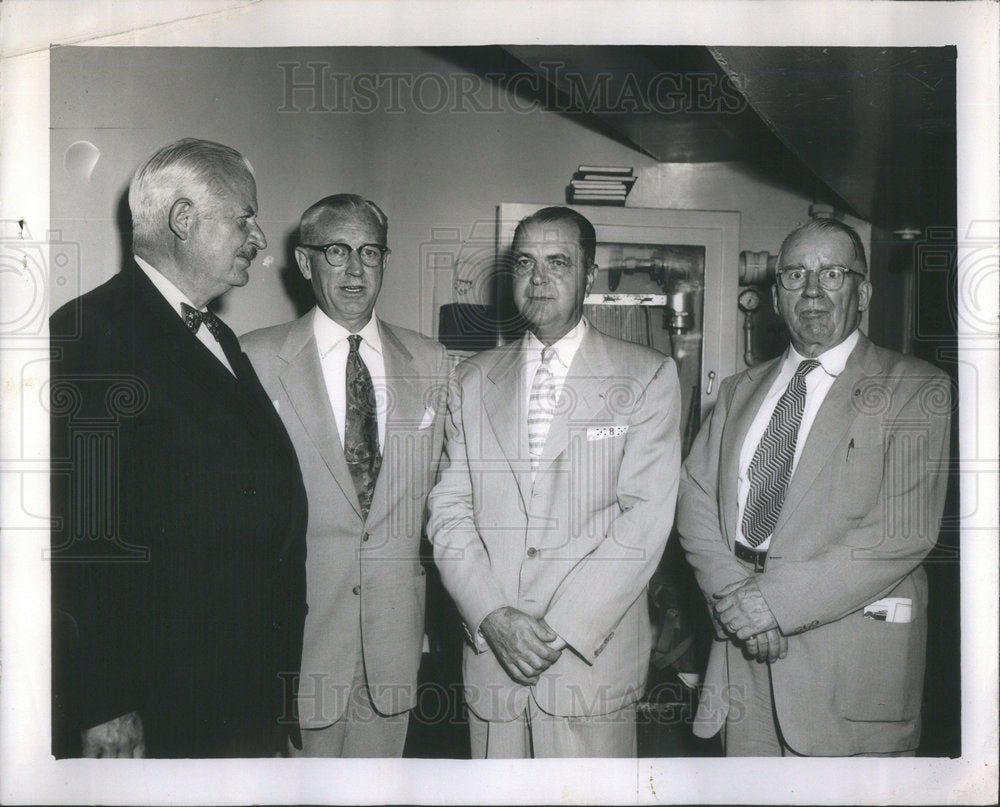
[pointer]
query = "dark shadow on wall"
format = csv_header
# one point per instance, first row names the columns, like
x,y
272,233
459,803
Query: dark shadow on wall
x,y
297,288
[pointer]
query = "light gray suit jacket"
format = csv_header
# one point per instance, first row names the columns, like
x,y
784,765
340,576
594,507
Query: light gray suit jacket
x,y
578,546
862,510
365,573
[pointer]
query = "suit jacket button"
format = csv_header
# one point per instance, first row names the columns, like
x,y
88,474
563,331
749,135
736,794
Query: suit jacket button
x,y
532,551
364,536
249,490
356,589
277,624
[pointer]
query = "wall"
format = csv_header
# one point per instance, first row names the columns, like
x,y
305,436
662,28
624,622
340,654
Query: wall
x,y
436,160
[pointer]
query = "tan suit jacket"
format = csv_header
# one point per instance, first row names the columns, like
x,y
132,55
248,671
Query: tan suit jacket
x,y
862,510
579,545
359,573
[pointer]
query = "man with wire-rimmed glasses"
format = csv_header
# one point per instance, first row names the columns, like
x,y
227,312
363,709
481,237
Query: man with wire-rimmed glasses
x,y
363,402
807,504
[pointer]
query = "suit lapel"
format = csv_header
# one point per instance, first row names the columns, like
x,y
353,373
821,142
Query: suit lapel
x,y
404,412
583,393
835,417
503,400
747,398
302,380
199,374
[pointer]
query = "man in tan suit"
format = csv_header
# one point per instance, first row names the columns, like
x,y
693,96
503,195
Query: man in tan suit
x,y
814,577
363,402
563,456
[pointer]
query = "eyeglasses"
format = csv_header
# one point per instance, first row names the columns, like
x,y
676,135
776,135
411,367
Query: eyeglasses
x,y
830,278
338,254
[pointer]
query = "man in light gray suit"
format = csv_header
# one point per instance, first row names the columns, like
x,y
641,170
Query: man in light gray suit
x,y
807,503
563,453
363,403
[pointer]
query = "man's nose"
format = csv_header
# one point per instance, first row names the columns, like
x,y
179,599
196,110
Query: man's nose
x,y
354,265
812,287
538,275
257,237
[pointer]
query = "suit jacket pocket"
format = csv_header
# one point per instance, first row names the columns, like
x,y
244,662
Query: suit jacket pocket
x,y
882,670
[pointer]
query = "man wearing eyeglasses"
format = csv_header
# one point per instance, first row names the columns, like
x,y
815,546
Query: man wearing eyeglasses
x,y
363,402
807,504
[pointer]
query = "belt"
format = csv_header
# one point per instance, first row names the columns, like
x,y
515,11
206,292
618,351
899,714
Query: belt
x,y
754,556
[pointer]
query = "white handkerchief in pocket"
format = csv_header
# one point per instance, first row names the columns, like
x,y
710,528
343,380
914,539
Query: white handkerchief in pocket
x,y
428,418
277,406
890,609
604,432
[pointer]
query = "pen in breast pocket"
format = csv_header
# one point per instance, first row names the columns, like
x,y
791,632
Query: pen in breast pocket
x,y
850,446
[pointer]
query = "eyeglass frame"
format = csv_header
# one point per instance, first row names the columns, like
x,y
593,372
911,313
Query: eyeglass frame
x,y
780,275
324,248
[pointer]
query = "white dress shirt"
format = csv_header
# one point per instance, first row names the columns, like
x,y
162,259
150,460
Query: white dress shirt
x,y
175,297
333,348
818,384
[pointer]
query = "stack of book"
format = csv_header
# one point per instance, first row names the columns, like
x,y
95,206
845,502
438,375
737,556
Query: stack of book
x,y
600,185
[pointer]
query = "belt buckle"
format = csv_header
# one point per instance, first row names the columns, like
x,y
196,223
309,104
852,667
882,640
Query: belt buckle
x,y
751,555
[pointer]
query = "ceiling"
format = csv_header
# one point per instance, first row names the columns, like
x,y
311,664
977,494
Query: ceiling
x,y
871,130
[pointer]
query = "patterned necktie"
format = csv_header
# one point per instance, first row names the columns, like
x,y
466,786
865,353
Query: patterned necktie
x,y
771,466
541,405
194,319
361,428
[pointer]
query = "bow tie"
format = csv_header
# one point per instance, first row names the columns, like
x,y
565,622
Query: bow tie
x,y
194,319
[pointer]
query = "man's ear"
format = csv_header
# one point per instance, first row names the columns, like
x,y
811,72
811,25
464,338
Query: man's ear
x,y
181,217
774,298
864,295
591,275
302,259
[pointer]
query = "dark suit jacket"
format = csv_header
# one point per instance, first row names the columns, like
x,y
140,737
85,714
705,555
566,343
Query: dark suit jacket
x,y
861,511
178,533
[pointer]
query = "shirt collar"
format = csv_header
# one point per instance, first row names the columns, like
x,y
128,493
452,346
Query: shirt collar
x,y
565,348
165,286
329,334
832,361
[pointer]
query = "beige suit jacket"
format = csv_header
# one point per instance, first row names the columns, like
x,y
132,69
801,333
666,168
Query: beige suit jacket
x,y
579,545
359,573
862,510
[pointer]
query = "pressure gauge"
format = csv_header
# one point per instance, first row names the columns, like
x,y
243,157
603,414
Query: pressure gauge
x,y
749,300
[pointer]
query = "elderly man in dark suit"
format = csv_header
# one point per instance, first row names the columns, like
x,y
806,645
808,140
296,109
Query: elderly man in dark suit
x,y
806,505
179,510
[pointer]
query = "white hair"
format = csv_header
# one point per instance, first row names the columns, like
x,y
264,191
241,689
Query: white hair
x,y
189,167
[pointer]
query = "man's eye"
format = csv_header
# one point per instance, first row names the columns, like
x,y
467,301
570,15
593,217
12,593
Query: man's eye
x,y
524,264
559,263
795,274
831,272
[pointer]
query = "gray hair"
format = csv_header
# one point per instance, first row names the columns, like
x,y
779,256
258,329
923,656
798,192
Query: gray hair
x,y
187,167
828,225
343,205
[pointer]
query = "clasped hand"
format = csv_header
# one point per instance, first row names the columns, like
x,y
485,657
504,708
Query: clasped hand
x,y
743,614
525,646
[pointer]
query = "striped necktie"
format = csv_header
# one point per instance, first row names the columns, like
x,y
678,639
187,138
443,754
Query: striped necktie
x,y
541,406
771,466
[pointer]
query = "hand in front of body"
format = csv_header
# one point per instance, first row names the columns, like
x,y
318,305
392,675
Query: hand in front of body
x,y
742,612
521,643
120,737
